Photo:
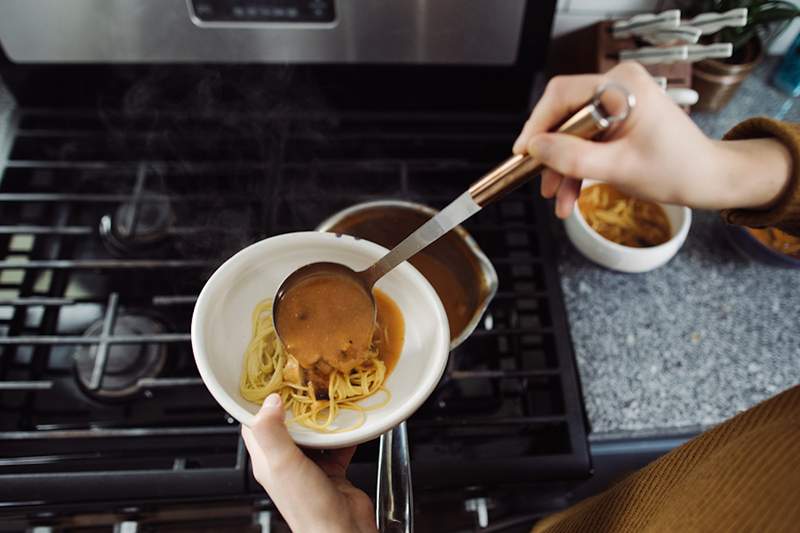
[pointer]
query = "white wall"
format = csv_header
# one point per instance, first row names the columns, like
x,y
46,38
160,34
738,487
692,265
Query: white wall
x,y
574,14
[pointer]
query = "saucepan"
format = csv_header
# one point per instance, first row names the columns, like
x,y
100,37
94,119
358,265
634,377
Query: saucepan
x,y
459,271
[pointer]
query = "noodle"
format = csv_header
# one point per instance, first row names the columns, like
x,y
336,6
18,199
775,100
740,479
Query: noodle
x,y
623,219
265,369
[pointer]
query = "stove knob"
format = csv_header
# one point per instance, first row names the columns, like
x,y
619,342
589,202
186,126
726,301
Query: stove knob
x,y
479,506
128,526
263,519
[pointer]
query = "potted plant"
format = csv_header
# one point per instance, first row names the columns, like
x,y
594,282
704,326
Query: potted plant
x,y
717,80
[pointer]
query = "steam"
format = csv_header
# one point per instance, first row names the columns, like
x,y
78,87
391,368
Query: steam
x,y
206,131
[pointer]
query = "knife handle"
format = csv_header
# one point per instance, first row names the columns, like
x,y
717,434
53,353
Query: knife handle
x,y
683,95
653,55
646,22
713,22
587,123
709,51
679,35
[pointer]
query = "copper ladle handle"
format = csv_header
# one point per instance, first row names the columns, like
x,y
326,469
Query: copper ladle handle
x,y
589,121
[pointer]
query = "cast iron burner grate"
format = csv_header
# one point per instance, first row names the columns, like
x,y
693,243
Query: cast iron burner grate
x,y
108,234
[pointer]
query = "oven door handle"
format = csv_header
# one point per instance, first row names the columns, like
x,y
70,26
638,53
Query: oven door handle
x,y
394,503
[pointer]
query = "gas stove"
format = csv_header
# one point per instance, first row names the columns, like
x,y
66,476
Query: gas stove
x,y
138,160
109,229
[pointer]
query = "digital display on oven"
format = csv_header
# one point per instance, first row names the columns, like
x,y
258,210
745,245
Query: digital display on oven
x,y
264,10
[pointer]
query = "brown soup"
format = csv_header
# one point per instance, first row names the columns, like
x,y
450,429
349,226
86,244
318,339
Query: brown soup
x,y
327,324
390,330
327,319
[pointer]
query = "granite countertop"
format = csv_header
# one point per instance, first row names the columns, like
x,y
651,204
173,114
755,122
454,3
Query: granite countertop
x,y
698,340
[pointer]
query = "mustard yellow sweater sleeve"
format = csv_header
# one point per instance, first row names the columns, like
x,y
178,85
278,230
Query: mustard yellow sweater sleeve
x,y
743,475
785,214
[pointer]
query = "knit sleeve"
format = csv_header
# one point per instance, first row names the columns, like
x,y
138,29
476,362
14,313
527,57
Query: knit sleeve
x,y
785,214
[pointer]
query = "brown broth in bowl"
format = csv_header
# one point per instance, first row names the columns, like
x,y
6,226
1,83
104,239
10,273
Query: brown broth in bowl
x,y
327,321
390,330
327,325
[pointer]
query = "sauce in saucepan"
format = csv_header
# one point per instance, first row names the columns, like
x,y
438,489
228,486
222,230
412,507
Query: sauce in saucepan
x,y
448,264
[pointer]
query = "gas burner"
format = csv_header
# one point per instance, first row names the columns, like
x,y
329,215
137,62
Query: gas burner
x,y
126,363
137,226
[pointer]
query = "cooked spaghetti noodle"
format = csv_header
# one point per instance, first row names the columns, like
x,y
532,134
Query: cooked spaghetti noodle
x,y
269,368
623,219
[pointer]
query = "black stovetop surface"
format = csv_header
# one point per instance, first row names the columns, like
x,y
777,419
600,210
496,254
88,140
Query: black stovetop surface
x,y
75,288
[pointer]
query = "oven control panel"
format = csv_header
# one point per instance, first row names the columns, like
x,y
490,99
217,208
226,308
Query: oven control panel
x,y
263,11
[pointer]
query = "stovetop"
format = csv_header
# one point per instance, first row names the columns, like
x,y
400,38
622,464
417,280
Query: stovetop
x,y
111,223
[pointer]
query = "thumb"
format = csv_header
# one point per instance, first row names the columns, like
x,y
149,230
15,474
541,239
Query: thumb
x,y
575,157
270,433
302,492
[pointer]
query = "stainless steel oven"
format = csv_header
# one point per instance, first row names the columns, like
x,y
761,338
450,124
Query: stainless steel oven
x,y
463,32
360,54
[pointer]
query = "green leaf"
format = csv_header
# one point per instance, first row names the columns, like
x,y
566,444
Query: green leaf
x,y
760,14
781,4
774,15
742,39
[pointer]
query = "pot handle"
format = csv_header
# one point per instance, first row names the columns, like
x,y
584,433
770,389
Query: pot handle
x,y
394,503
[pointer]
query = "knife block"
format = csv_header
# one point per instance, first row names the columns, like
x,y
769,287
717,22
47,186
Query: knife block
x,y
608,49
570,55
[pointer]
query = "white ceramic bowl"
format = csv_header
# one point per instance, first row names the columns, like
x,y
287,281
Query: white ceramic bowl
x,y
626,258
221,329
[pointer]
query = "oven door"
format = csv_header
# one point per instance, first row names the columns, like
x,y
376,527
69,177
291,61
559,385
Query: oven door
x,y
431,55
466,32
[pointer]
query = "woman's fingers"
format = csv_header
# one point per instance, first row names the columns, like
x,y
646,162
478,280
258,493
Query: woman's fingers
x,y
299,488
564,189
563,95
567,194
270,436
334,462
551,181
571,156
566,94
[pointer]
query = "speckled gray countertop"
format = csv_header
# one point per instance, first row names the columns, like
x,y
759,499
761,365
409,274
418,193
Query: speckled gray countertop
x,y
698,340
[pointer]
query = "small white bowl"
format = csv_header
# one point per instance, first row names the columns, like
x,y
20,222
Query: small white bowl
x,y
626,258
221,329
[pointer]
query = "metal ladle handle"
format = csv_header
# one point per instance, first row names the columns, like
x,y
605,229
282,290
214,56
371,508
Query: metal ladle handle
x,y
590,120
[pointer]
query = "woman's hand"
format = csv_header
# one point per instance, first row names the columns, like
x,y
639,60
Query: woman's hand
x,y
657,154
311,495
